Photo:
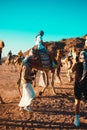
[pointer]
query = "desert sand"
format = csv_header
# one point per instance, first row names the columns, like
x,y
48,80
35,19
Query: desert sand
x,y
50,112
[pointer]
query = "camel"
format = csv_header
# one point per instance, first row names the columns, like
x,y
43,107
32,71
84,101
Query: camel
x,y
37,64
58,58
14,61
10,60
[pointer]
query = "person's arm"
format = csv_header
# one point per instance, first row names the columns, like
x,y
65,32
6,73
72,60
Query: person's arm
x,y
74,68
69,64
41,40
26,73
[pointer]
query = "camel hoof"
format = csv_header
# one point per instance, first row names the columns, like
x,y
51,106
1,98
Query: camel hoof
x,y
40,93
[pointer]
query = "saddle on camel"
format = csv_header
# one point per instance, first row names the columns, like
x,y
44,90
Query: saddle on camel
x,y
44,57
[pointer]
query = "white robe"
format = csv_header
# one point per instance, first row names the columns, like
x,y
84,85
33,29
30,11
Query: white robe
x,y
41,80
27,96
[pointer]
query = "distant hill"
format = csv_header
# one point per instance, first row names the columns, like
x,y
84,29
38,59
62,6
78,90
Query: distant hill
x,y
65,44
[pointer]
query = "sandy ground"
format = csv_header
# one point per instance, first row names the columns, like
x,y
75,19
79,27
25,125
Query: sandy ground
x,y
50,112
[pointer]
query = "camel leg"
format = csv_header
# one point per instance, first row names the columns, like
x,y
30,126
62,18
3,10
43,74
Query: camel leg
x,y
69,75
58,75
53,84
44,77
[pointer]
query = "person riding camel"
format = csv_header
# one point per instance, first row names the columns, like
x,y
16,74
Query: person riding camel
x,y
20,57
41,46
20,54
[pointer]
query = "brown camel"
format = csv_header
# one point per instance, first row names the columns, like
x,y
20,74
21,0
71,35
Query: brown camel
x,y
37,64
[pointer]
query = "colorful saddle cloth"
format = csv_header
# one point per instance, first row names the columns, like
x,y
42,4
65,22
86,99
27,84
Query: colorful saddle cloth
x,y
45,60
42,54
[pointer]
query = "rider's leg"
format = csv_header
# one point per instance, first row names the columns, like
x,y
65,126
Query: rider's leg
x,y
52,61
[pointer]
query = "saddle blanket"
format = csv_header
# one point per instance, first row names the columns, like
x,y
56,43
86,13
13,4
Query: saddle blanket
x,y
45,60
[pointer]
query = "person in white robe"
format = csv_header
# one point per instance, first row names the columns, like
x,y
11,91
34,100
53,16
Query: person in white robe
x,y
28,94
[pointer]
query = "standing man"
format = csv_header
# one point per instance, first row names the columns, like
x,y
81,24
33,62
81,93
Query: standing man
x,y
80,89
1,47
78,69
83,57
26,77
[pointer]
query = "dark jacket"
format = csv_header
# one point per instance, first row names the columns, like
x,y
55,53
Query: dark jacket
x,y
78,69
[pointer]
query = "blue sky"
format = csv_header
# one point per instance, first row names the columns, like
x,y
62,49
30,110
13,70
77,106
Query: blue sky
x,y
21,20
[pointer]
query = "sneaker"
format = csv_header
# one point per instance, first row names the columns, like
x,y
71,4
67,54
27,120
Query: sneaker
x,y
28,109
77,123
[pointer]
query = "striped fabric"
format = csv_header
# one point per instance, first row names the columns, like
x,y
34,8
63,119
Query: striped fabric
x,y
44,59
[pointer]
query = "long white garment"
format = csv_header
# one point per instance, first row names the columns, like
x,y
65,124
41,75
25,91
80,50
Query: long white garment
x,y
27,96
41,80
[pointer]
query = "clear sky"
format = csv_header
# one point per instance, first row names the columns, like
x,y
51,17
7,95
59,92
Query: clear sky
x,y
21,20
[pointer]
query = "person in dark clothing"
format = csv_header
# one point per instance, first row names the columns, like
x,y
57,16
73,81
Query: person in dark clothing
x,y
83,56
79,89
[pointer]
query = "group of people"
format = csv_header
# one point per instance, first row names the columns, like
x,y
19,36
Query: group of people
x,y
27,75
80,85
